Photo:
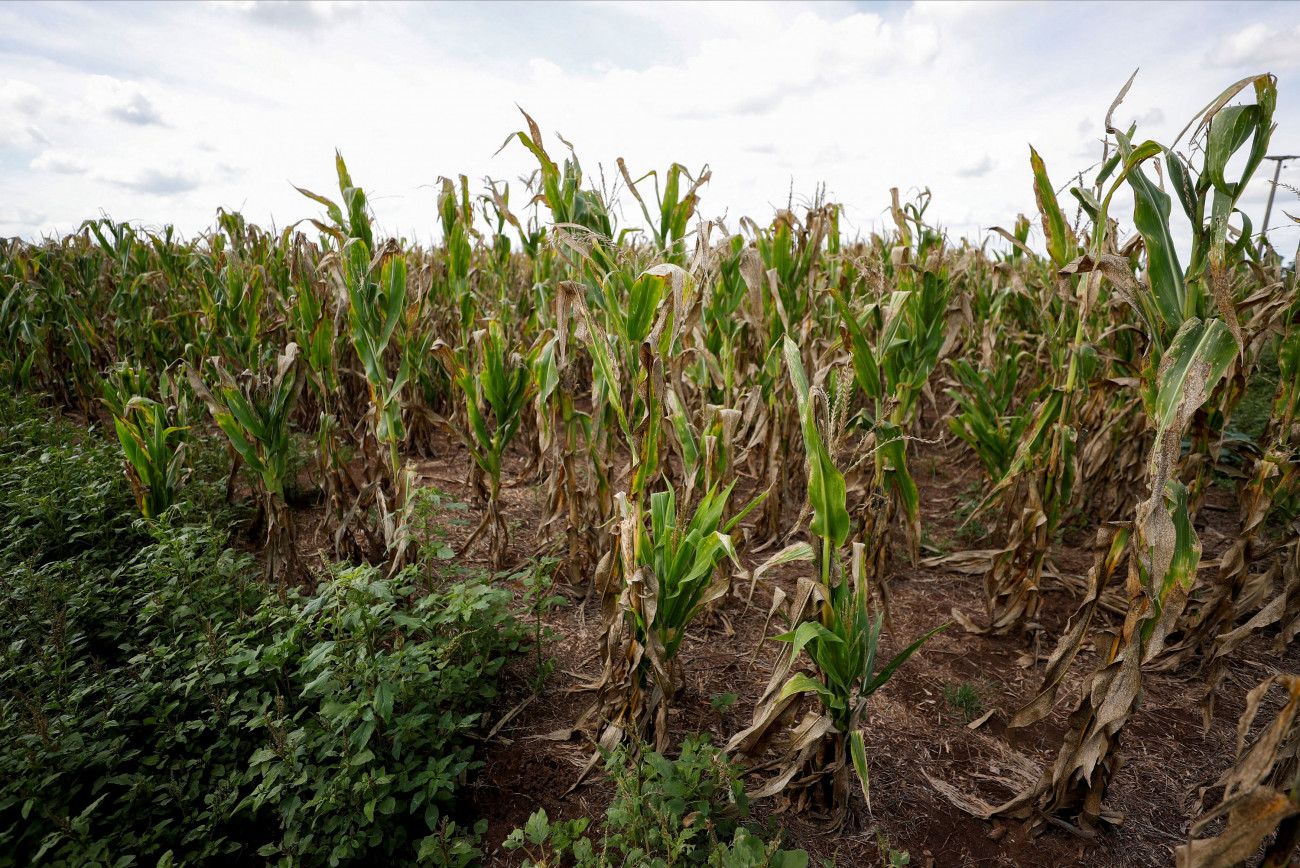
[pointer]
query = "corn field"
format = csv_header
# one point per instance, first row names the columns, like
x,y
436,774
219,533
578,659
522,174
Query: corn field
x,y
720,425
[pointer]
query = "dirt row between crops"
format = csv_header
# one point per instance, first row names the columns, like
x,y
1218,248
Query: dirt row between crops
x,y
913,735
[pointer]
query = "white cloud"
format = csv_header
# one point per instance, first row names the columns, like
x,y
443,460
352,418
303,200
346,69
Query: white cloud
x,y
1150,117
1260,45
21,98
20,104
152,180
174,110
17,218
160,182
293,14
21,135
61,163
978,169
765,58
135,110
121,100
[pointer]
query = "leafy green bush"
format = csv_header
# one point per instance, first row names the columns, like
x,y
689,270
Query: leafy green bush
x,y
160,707
65,496
687,811
370,733
122,733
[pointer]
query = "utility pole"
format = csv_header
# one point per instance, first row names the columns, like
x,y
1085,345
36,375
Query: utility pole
x,y
1268,210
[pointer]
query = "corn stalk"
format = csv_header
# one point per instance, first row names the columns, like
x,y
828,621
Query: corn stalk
x,y
155,465
1035,487
497,387
253,411
840,637
661,573
1187,358
910,332
375,282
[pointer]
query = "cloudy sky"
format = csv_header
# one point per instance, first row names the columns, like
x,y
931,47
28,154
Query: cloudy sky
x,y
162,113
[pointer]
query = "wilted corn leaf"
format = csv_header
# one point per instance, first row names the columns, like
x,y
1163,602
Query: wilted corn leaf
x,y
1061,243
1108,550
1254,808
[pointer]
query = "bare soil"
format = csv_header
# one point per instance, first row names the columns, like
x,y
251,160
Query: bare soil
x,y
914,735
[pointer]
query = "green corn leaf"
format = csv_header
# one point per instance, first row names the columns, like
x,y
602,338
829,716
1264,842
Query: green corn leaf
x,y
1033,444
1180,178
643,305
243,412
1151,209
570,301
1187,548
1231,127
858,753
1088,201
545,372
803,683
232,429
826,489
746,510
663,515
805,633
335,214
865,370
891,453
130,443
888,672
685,436
1113,163
393,280
795,366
